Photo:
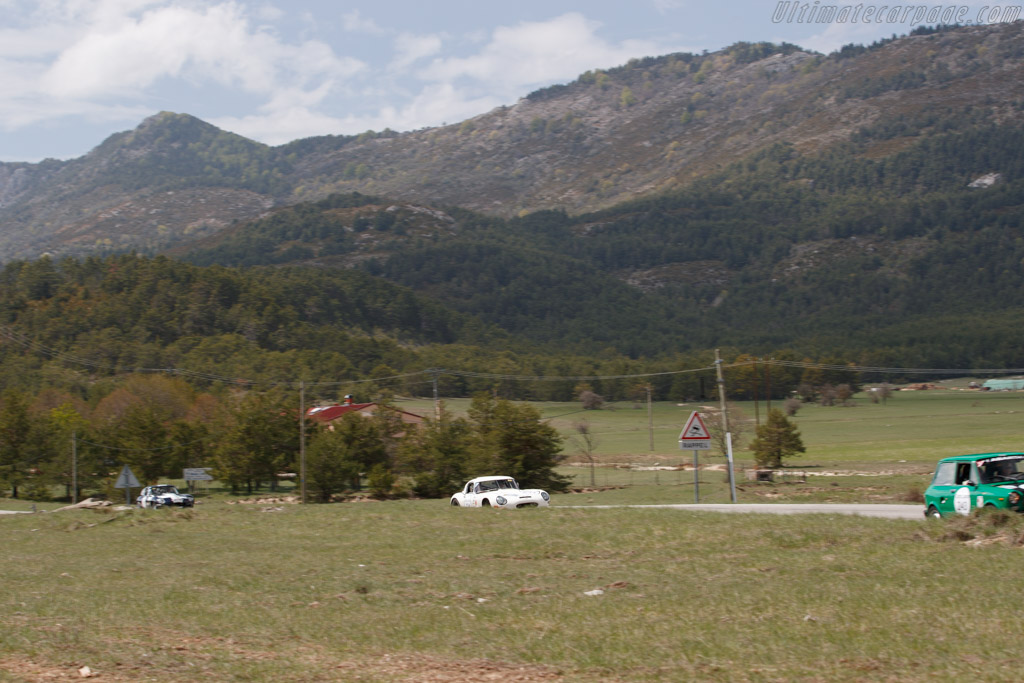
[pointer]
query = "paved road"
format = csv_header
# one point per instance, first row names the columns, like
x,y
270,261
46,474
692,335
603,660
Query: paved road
x,y
864,510
15,512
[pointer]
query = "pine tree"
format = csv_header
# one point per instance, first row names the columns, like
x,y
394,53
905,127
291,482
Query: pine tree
x,y
777,439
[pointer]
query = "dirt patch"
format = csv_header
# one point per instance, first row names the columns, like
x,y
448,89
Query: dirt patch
x,y
24,669
266,500
593,489
389,667
430,669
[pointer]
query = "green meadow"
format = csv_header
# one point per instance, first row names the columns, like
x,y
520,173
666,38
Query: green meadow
x,y
413,590
911,427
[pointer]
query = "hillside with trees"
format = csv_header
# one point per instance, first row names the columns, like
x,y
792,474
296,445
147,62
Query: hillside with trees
x,y
891,260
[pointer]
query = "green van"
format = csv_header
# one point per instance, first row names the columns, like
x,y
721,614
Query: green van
x,y
968,482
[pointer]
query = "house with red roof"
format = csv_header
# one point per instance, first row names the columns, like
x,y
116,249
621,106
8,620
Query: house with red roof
x,y
328,414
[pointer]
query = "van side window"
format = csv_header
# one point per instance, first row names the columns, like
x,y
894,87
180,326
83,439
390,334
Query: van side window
x,y
946,474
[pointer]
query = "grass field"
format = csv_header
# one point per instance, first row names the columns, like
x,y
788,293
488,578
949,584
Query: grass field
x,y
417,591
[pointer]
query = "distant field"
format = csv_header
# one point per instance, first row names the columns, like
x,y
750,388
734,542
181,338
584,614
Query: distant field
x,y
917,427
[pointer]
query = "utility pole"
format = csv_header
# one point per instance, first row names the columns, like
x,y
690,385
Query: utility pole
x,y
768,381
757,396
650,419
74,468
437,402
302,442
725,425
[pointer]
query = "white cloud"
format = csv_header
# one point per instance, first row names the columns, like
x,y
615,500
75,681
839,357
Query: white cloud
x,y
355,22
532,53
839,34
269,13
290,114
211,45
411,48
666,6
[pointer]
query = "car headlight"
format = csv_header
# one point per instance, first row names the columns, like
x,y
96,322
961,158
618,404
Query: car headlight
x,y
544,495
500,500
1013,498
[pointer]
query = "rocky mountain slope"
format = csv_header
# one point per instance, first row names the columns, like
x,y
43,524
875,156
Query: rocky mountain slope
x,y
649,127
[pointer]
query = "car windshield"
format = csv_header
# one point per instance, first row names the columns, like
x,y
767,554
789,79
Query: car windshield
x,y
164,489
495,484
1002,468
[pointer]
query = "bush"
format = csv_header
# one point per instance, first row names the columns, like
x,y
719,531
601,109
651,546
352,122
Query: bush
x,y
381,482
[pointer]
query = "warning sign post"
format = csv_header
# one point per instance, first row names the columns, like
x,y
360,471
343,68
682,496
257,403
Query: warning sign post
x,y
695,437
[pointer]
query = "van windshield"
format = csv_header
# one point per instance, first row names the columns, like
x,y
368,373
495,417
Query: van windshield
x,y
1001,469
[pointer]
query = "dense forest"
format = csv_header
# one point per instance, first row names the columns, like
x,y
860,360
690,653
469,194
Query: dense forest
x,y
893,261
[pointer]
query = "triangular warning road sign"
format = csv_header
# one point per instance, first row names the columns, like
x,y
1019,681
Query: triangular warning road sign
x,y
127,479
695,429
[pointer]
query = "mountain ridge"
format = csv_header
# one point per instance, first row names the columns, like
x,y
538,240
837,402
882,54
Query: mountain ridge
x,y
651,126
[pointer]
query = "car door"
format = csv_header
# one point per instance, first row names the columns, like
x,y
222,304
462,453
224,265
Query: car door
x,y
469,496
944,487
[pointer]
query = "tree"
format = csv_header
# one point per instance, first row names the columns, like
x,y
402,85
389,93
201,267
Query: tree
x,y
365,441
437,454
590,400
777,439
140,438
17,447
263,440
63,421
512,440
739,426
329,465
791,405
586,442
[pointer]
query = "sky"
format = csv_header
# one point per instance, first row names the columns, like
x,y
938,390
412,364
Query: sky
x,y
73,72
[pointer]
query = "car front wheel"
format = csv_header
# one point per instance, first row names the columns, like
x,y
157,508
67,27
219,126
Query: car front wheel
x,y
455,503
485,504
933,512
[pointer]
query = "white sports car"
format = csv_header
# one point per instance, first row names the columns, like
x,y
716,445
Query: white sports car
x,y
164,494
498,492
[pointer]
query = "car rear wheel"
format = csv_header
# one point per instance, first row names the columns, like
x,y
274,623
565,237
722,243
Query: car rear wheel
x,y
933,512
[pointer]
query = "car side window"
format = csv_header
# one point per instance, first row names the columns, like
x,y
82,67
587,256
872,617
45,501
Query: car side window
x,y
963,472
945,474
